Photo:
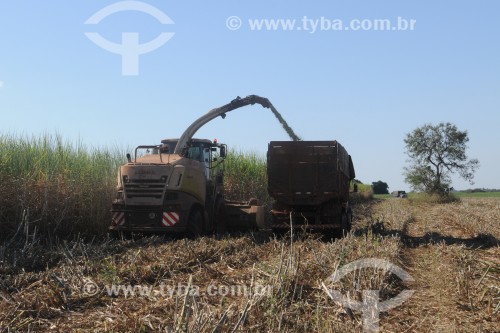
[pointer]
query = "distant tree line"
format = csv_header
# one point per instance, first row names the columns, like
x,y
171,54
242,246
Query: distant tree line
x,y
474,190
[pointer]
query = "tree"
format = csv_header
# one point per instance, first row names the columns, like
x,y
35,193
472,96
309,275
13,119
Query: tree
x,y
436,152
380,187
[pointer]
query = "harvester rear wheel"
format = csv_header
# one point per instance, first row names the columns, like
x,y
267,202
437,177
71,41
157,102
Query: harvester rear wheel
x,y
220,217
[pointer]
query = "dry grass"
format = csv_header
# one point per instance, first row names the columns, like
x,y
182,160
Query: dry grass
x,y
451,250
53,298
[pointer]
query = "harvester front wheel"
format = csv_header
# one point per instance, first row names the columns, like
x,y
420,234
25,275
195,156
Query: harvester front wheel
x,y
195,222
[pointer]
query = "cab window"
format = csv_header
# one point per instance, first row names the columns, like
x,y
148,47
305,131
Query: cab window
x,y
194,153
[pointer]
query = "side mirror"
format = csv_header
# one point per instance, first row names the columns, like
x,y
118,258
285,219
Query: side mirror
x,y
222,152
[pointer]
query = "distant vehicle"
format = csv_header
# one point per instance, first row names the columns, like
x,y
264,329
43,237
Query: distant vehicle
x,y
399,194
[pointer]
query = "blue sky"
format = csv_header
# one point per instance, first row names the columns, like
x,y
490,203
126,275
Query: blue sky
x,y
366,89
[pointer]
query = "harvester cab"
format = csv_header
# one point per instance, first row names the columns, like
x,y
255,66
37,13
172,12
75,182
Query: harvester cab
x,y
159,190
178,186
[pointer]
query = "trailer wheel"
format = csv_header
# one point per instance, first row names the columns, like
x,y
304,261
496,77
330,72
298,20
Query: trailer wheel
x,y
220,217
195,222
346,222
349,217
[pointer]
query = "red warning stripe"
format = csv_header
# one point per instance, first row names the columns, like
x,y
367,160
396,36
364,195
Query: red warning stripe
x,y
169,219
118,218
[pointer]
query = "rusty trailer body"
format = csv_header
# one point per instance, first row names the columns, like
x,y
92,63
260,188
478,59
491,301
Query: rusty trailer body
x,y
309,181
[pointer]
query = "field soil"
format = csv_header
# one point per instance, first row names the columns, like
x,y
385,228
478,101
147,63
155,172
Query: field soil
x,y
260,283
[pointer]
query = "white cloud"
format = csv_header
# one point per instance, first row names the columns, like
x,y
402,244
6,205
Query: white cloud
x,y
1,84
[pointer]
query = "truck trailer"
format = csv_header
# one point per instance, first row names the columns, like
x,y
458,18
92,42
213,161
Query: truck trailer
x,y
309,182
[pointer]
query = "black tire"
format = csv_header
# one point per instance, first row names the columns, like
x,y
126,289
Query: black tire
x,y
220,217
115,234
119,234
346,223
195,223
349,218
